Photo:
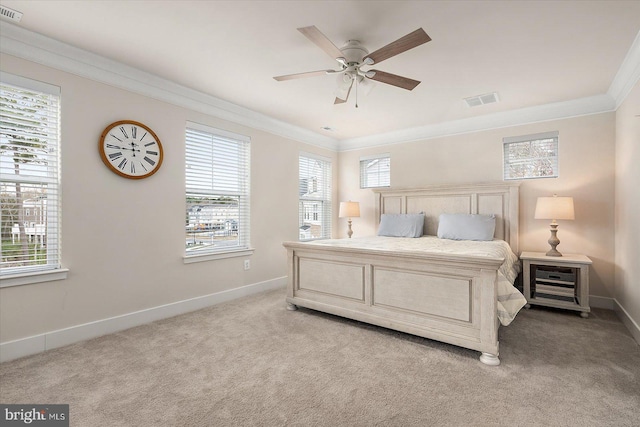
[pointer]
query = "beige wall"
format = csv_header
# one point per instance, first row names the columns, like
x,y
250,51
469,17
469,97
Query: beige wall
x,y
123,240
586,173
627,275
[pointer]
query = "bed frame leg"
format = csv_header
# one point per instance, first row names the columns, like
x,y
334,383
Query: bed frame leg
x,y
489,359
291,307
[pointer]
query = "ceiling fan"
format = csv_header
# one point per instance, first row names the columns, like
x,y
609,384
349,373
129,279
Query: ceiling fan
x,y
352,57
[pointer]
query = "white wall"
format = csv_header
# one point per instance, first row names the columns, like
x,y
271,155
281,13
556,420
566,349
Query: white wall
x,y
123,240
586,150
627,223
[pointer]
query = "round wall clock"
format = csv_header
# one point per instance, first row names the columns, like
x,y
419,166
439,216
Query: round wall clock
x,y
130,149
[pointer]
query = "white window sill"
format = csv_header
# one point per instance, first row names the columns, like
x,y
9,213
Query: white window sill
x,y
189,259
33,277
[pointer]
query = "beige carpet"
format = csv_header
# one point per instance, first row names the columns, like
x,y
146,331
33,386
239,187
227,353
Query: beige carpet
x,y
252,362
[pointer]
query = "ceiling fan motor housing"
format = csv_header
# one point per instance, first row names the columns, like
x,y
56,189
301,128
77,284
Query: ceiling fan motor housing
x,y
353,52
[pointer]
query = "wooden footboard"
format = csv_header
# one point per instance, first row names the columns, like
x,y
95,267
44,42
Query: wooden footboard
x,y
446,298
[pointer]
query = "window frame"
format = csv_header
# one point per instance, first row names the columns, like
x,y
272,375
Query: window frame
x,y
49,177
382,177
507,142
242,192
315,208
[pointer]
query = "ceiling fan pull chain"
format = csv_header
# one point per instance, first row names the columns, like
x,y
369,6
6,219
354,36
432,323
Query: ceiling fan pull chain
x,y
356,78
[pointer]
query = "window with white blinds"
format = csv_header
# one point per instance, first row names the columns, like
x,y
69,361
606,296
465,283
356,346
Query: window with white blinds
x,y
375,171
314,208
531,156
29,175
217,191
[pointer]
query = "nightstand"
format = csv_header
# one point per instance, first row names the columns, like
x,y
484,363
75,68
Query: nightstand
x,y
560,282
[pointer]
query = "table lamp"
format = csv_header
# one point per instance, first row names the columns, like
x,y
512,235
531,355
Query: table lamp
x,y
554,208
349,210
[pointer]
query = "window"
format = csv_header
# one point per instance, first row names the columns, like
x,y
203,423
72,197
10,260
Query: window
x,y
29,178
531,156
217,192
315,197
375,171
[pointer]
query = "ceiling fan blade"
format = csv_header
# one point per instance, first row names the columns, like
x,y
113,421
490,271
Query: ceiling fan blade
x,y
403,44
314,34
394,80
303,75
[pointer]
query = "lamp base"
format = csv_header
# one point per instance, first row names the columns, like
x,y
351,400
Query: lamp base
x,y
553,241
553,252
350,232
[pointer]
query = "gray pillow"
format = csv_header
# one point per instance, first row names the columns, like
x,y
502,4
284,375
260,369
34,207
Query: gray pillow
x,y
401,225
466,227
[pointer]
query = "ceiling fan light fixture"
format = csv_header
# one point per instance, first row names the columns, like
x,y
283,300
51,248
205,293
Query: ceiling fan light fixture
x,y
342,93
366,86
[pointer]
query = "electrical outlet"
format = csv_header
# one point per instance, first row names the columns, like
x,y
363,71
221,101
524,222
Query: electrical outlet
x,y
247,264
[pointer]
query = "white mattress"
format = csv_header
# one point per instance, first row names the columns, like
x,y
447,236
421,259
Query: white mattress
x,y
510,300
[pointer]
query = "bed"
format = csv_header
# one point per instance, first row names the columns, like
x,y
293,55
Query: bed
x,y
458,292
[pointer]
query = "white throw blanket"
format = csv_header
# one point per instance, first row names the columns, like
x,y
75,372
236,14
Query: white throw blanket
x,y
510,300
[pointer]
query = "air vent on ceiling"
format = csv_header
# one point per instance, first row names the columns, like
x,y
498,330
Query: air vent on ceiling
x,y
487,98
10,14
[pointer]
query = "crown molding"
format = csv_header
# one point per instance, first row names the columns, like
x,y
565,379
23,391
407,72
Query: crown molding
x,y
541,113
35,47
628,74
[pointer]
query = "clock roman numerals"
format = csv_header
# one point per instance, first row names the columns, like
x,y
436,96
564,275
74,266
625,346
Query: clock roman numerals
x,y
131,149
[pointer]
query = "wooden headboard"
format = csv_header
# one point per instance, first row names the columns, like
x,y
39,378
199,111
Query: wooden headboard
x,y
500,199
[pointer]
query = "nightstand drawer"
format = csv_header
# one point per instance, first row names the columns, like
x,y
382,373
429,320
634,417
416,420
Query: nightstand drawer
x,y
567,275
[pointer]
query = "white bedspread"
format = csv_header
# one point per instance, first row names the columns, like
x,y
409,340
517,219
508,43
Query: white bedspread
x,y
510,300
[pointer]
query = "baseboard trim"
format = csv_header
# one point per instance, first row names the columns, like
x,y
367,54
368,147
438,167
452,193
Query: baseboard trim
x,y
601,302
36,344
628,321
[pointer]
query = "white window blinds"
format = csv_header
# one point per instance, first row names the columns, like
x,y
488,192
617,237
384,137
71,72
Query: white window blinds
x,y
375,171
29,175
314,208
217,190
531,156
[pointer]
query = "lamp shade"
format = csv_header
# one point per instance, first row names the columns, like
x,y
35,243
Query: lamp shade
x,y
554,208
349,210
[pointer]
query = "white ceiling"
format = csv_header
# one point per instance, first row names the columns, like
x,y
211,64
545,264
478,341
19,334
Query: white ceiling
x,y
532,53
